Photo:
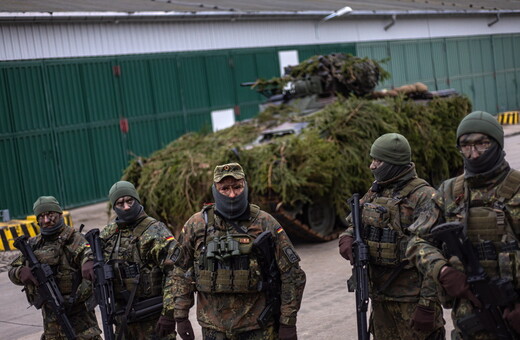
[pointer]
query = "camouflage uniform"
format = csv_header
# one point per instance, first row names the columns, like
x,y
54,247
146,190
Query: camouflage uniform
x,y
222,312
65,252
486,200
394,301
492,199
139,254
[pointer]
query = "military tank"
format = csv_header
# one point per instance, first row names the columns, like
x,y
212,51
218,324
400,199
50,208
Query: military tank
x,y
307,151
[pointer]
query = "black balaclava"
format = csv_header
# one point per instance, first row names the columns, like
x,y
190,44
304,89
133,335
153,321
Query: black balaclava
x,y
388,171
129,215
54,229
489,160
230,208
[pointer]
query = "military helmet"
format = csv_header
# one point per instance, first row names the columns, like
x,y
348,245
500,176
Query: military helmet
x,y
481,122
120,189
392,148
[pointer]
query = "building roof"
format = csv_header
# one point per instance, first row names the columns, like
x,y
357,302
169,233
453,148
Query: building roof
x,y
254,6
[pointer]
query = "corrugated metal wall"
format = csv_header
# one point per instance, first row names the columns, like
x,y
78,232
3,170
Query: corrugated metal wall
x,y
60,119
484,68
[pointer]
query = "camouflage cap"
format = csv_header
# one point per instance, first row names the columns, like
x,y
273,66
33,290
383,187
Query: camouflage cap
x,y
120,189
45,204
481,122
392,148
231,169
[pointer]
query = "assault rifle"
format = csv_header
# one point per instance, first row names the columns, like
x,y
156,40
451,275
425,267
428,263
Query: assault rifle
x,y
103,284
361,257
271,282
494,294
48,292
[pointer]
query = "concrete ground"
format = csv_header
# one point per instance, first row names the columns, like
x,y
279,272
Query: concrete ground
x,y
327,312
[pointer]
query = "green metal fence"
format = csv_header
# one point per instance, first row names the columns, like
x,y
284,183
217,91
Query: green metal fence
x,y
62,120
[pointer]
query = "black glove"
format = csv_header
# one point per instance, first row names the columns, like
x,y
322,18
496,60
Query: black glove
x,y
87,271
455,283
423,319
164,326
26,276
513,317
345,248
184,329
286,332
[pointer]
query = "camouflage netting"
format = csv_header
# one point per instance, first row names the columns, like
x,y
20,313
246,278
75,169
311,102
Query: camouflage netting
x,y
334,73
328,160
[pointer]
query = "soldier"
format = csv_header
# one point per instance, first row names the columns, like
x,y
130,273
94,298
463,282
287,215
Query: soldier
x,y
220,261
139,248
401,297
65,251
486,198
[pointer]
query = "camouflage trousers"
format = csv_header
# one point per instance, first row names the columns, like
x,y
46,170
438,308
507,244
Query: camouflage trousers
x,y
268,333
391,320
143,330
82,320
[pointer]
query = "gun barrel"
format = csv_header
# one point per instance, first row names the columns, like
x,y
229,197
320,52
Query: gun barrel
x,y
361,257
103,285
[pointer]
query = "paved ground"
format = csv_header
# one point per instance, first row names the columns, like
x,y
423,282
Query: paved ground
x,y
328,310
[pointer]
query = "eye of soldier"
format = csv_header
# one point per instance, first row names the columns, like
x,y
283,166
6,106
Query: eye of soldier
x,y
228,188
51,215
479,145
120,203
376,162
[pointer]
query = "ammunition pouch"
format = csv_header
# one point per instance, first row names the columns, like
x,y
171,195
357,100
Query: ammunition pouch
x,y
386,247
499,253
228,266
148,280
386,243
150,283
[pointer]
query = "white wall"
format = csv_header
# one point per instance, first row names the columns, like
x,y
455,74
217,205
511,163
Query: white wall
x,y
54,40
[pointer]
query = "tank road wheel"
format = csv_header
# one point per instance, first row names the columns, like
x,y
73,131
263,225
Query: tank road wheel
x,y
320,217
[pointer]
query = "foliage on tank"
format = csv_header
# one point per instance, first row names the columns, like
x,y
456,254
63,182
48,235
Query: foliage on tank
x,y
329,159
327,74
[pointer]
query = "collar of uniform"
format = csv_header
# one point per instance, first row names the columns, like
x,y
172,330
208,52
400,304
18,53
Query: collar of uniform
x,y
489,179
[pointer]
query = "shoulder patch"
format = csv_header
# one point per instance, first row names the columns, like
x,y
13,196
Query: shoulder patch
x,y
291,255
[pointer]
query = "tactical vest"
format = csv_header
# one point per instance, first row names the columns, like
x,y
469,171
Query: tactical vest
x,y
133,275
52,252
226,263
488,226
384,225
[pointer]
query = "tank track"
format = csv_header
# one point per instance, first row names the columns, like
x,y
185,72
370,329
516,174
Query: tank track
x,y
296,229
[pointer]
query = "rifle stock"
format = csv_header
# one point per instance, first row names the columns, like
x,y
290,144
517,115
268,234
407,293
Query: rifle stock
x,y
494,294
48,291
361,257
103,285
